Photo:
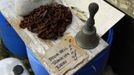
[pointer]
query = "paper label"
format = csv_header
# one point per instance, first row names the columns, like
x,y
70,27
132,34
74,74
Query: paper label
x,y
65,56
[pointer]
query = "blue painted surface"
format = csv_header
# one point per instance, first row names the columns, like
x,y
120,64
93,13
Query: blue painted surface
x,y
11,39
35,64
99,62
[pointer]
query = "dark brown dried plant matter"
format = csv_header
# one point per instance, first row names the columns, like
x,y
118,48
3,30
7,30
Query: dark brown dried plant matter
x,y
49,21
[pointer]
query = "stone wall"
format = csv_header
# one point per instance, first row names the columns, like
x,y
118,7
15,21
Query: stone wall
x,y
126,6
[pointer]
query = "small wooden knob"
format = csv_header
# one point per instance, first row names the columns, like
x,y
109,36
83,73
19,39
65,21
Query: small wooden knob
x,y
93,8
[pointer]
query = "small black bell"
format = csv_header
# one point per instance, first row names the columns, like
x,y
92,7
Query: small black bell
x,y
87,37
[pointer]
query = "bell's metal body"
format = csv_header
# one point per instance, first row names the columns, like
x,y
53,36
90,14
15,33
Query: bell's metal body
x,y
87,40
